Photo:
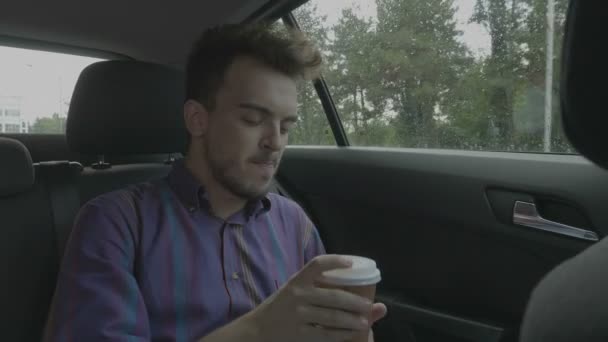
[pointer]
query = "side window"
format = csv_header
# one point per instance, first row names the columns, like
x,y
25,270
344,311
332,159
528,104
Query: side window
x,y
36,88
312,127
455,74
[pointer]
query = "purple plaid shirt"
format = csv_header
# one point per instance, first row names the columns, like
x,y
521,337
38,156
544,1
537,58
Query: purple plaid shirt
x,y
150,263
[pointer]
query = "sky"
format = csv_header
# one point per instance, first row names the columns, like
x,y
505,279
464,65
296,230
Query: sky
x,y
45,81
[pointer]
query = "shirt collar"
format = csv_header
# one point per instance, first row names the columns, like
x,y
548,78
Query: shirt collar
x,y
193,196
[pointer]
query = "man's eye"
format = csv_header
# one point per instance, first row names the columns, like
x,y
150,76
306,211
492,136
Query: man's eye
x,y
285,128
251,121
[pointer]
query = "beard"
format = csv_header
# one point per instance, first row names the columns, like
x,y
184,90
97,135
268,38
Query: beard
x,y
238,186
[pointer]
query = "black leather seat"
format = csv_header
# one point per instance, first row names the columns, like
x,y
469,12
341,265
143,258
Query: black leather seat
x,y
571,302
28,248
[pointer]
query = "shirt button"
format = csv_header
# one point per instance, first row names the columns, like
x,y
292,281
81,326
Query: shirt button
x,y
235,276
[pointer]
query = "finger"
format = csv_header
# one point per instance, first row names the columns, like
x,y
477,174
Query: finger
x,y
332,318
320,264
379,311
340,299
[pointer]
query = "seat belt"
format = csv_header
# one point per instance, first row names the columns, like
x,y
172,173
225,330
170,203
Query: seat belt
x,y
61,180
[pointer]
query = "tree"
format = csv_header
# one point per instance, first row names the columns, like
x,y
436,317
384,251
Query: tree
x,y
501,19
533,37
467,124
406,78
353,75
49,125
313,127
516,69
421,61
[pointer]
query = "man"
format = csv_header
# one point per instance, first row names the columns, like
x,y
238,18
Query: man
x,y
207,254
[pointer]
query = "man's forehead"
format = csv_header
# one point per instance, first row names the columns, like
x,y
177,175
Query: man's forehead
x,y
254,83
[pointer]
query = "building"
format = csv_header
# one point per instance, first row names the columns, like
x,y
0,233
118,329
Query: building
x,y
11,115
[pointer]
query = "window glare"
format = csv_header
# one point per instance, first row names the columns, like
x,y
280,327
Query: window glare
x,y
36,88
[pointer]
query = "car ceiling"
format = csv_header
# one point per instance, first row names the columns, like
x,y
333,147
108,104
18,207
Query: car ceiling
x,y
149,30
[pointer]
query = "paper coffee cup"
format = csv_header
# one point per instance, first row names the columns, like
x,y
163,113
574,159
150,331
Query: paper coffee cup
x,y
360,279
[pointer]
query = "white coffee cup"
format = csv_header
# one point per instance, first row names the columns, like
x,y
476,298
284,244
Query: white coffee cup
x,y
360,279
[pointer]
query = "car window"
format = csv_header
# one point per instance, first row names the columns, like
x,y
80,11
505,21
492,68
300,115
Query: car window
x,y
456,74
36,88
312,127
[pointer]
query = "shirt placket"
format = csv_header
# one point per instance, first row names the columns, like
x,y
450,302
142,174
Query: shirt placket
x,y
230,266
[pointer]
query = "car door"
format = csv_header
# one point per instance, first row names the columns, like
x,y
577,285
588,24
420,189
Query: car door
x,y
435,147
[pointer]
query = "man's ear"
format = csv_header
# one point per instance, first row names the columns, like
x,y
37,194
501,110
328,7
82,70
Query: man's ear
x,y
196,118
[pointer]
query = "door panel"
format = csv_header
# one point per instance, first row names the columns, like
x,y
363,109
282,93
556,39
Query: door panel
x,y
436,223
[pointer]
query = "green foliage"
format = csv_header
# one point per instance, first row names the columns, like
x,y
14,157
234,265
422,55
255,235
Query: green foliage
x,y
49,125
313,127
406,79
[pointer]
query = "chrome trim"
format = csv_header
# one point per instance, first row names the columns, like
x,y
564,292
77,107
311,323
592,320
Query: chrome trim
x,y
526,214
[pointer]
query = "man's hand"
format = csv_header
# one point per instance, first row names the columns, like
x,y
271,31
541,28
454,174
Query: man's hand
x,y
301,311
378,312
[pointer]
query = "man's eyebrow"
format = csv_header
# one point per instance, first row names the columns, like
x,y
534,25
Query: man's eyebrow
x,y
266,111
256,107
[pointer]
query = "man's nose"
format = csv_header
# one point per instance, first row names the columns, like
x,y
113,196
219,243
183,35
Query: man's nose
x,y
273,140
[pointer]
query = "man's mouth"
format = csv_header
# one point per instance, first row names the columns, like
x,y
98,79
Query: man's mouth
x,y
269,163
265,162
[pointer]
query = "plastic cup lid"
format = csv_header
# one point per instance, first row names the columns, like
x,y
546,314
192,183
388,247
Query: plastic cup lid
x,y
363,272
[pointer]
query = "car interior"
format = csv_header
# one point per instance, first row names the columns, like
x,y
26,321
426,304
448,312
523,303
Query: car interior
x,y
462,237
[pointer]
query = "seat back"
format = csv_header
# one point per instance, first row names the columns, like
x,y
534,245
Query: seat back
x,y
28,248
125,108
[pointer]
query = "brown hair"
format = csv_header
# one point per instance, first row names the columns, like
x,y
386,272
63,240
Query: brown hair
x,y
287,51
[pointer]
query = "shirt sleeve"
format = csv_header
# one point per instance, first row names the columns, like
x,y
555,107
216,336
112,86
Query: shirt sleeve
x,y
97,297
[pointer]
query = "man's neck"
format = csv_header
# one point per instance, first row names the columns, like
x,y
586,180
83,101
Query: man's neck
x,y
223,203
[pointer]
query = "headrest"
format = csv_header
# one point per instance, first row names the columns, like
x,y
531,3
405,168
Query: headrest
x,y
584,89
127,107
17,171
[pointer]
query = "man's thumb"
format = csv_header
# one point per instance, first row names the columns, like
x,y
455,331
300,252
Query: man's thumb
x,y
315,268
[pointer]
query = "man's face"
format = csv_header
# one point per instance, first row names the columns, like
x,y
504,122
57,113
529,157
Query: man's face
x,y
247,130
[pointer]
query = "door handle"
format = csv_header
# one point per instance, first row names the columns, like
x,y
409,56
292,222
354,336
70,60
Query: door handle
x,y
526,214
